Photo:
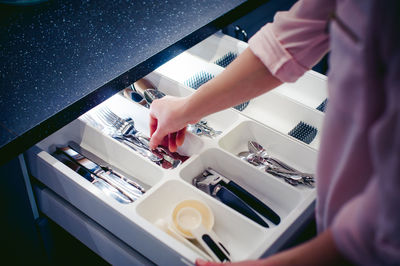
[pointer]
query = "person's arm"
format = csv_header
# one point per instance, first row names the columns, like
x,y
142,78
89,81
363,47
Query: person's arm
x,y
280,52
319,251
245,78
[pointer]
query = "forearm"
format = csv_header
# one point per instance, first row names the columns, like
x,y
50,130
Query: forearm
x,y
245,78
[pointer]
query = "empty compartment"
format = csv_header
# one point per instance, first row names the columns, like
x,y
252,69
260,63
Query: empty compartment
x,y
240,243
287,116
277,145
310,90
219,49
189,70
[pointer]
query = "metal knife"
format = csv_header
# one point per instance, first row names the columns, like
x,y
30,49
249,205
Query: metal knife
x,y
108,167
101,184
111,178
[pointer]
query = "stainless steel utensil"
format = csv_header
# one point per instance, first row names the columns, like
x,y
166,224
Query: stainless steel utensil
x,y
203,129
119,176
235,196
84,167
127,133
135,96
259,157
258,149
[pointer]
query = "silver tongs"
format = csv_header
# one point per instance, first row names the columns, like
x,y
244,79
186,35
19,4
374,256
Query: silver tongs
x,y
234,196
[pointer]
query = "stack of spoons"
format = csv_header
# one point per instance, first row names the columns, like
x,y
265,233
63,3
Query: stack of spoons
x,y
259,157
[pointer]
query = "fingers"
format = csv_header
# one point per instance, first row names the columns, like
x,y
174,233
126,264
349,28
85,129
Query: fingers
x,y
156,138
180,136
166,123
172,142
153,124
164,142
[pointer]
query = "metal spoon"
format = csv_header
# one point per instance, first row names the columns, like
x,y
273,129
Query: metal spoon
x,y
135,96
257,148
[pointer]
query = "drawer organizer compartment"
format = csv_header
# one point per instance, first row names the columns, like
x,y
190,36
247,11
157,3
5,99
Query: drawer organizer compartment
x,y
219,50
273,109
212,173
310,90
287,116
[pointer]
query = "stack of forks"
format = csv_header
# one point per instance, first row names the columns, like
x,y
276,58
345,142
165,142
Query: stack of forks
x,y
124,131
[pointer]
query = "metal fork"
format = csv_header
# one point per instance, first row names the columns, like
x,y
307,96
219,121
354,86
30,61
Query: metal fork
x,y
127,133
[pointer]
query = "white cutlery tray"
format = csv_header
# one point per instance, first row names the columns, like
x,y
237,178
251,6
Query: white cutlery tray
x,y
266,120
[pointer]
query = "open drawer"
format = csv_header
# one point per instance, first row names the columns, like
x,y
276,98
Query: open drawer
x,y
141,223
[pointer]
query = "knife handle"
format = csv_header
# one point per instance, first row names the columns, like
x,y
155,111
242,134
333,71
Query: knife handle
x,y
255,203
230,199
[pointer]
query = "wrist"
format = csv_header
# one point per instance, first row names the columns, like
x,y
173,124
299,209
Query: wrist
x,y
190,111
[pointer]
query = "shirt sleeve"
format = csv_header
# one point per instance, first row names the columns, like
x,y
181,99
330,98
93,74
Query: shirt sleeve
x,y
367,229
295,41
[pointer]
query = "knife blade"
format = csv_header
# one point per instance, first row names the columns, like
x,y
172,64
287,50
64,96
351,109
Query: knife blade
x,y
108,167
101,184
114,180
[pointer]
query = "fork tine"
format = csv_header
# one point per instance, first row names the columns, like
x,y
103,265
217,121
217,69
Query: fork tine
x,y
105,118
114,120
109,113
118,121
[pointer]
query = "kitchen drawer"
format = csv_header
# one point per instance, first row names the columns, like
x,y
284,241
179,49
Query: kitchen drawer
x,y
139,224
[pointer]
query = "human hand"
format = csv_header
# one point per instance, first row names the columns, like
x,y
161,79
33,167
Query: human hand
x,y
168,122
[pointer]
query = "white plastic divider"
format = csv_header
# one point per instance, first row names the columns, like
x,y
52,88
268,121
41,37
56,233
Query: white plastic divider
x,y
139,169
185,66
263,186
217,46
277,145
310,90
240,243
283,114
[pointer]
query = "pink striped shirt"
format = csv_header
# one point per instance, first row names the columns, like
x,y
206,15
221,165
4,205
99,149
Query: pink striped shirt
x,y
359,159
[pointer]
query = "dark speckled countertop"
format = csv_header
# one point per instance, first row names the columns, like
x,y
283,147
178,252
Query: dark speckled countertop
x,y
58,59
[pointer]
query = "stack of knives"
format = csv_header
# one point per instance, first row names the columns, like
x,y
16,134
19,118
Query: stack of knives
x,y
108,180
